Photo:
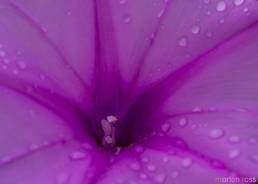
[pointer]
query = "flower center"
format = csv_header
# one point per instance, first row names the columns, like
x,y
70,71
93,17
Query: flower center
x,y
109,136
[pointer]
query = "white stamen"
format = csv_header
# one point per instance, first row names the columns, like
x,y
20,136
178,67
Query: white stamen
x,y
107,127
112,119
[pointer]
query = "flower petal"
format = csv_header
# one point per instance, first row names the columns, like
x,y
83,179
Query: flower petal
x,y
215,111
36,146
157,38
160,167
39,45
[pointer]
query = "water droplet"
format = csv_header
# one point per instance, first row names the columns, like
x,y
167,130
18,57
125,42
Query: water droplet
x,y
33,147
138,149
187,162
165,159
197,109
2,53
62,178
165,127
5,159
221,6
143,176
182,42
174,174
145,159
183,122
15,72
6,61
216,133
254,158
221,21
234,139
161,13
69,13
122,2
209,34
217,164
21,65
252,140
238,2
195,29
233,154
246,9
160,178
127,19
151,167
135,166
86,146
77,155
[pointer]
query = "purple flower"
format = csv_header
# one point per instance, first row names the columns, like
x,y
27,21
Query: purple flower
x,y
128,91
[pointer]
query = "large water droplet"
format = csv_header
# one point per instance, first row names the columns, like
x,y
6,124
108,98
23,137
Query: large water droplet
x,y
234,154
195,29
238,2
182,42
187,162
216,133
77,155
221,6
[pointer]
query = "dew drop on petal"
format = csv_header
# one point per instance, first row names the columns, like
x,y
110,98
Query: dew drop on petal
x,y
221,6
21,64
195,29
127,19
122,2
161,13
135,166
252,140
151,167
6,61
62,178
216,133
238,2
160,178
138,149
77,155
234,154
2,53
187,162
183,122
33,147
174,174
143,176
254,158
234,139
182,42
165,127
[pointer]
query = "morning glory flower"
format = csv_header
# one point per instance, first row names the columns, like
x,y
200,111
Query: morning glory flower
x,y
128,91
